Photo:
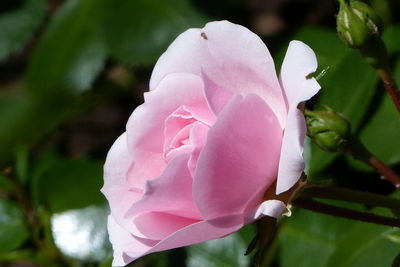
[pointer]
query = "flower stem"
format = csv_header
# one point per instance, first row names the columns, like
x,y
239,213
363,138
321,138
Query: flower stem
x,y
356,149
386,171
344,194
316,206
390,86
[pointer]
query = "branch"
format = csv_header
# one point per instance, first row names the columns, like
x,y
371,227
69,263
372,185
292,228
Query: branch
x,y
390,86
344,194
316,206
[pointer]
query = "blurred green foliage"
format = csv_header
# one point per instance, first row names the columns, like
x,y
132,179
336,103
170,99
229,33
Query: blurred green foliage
x,y
18,25
13,230
73,70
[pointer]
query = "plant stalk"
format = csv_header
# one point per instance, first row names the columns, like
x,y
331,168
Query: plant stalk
x,y
390,86
356,149
323,208
348,195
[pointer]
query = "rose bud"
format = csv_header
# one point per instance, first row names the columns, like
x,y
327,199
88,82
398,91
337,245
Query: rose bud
x,y
217,130
360,27
329,129
357,23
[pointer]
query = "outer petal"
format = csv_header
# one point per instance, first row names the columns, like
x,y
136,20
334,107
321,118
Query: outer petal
x,y
133,248
233,57
159,225
146,124
245,64
116,189
299,62
184,55
195,233
273,208
239,160
123,243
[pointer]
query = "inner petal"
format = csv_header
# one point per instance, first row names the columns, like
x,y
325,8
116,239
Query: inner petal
x,y
198,138
178,128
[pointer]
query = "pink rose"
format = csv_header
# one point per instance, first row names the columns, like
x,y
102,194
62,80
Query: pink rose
x,y
217,129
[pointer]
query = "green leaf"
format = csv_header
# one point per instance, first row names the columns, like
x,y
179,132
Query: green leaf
x,y
13,106
71,52
69,55
381,135
21,163
17,26
64,184
228,251
313,239
309,239
139,31
391,37
82,233
13,230
25,120
365,245
348,85
5,185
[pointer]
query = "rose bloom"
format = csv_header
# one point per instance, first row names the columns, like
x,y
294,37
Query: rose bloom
x,y
217,130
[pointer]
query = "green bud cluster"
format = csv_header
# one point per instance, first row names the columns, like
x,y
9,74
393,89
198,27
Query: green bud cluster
x,y
329,129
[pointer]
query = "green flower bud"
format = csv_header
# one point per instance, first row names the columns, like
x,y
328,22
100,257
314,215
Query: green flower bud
x,y
357,23
329,129
368,14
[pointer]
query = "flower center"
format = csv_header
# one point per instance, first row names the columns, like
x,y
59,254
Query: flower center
x,y
177,130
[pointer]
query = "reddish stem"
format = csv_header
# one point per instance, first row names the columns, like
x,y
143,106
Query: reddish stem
x,y
386,171
360,152
316,206
390,86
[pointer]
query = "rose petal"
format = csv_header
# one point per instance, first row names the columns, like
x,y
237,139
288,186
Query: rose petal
x,y
171,192
195,233
272,208
116,189
198,138
123,242
130,247
299,62
159,225
184,55
146,124
217,97
233,57
239,160
178,129
244,63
